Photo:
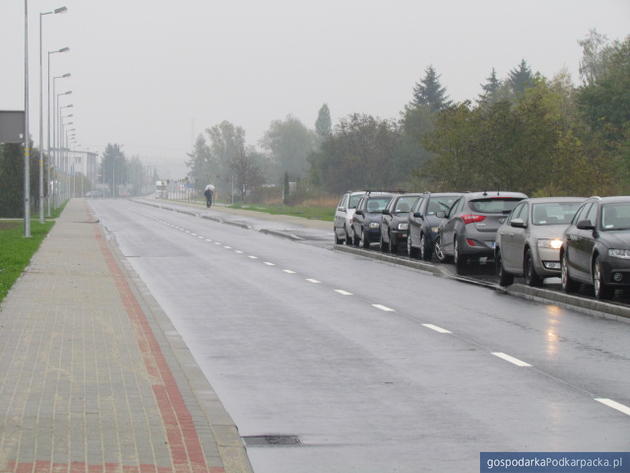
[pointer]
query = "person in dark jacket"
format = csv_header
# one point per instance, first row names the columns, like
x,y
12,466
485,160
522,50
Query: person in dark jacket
x,y
209,193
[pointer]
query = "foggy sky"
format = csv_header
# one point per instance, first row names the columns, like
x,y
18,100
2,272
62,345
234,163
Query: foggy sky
x,y
151,74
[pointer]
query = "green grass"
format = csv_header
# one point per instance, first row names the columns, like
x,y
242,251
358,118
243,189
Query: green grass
x,y
16,251
314,213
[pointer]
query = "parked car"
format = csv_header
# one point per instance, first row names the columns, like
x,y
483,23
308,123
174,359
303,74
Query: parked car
x,y
529,242
395,222
424,222
596,247
366,222
471,227
343,216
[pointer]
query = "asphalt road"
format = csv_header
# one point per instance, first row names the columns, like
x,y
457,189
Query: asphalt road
x,y
375,367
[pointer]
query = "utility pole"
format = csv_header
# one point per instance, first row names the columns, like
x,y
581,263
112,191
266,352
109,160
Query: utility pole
x,y
27,150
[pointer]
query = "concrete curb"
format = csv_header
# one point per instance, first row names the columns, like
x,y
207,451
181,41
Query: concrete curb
x,y
584,305
231,447
280,234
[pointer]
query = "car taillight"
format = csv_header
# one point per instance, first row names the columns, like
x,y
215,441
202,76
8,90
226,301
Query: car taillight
x,y
473,218
471,242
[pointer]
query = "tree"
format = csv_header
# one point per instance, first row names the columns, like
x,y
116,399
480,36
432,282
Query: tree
x,y
520,78
289,143
227,145
490,89
429,92
596,49
114,167
247,171
323,125
201,164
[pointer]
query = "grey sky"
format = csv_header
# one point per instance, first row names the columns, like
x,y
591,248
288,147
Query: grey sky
x,y
143,70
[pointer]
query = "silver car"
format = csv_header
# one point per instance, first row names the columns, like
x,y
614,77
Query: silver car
x,y
529,242
343,217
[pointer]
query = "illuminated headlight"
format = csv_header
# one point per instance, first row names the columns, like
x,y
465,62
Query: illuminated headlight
x,y
615,253
403,226
555,244
374,225
435,229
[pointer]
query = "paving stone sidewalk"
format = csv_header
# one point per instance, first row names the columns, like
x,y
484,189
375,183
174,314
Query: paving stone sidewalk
x,y
93,377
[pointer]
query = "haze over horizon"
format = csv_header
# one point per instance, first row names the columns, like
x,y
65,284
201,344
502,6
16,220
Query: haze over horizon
x,y
152,75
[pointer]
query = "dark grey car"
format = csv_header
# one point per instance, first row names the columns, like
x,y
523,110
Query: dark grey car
x,y
471,227
395,222
424,222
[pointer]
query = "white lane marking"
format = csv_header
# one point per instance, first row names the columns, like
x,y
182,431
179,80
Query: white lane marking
x,y
200,237
208,240
511,359
227,247
238,252
382,307
269,264
342,292
614,404
288,271
217,242
193,234
314,281
253,257
436,328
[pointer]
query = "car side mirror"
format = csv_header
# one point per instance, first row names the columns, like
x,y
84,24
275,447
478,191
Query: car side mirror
x,y
518,223
417,214
386,212
341,209
585,225
359,212
441,214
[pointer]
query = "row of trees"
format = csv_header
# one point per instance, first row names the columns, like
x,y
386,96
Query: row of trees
x,y
12,180
125,175
523,132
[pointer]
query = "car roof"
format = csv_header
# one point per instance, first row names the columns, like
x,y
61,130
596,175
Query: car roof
x,y
613,199
380,194
493,194
545,200
443,194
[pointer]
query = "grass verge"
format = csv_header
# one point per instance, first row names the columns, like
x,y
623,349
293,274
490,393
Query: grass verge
x,y
16,251
313,213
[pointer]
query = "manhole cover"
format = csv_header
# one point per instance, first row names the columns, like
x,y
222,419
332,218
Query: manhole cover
x,y
272,441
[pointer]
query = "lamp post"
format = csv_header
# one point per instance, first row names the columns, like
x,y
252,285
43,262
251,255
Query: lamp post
x,y
27,151
50,154
60,143
41,107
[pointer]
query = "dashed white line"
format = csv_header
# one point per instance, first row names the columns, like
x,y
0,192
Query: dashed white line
x,y
253,257
208,240
227,247
217,242
269,263
436,328
382,307
511,359
200,237
614,404
314,281
288,271
342,292
238,252
193,234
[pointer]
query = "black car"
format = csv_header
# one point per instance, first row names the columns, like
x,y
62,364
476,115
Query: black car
x,y
395,221
424,222
596,247
366,222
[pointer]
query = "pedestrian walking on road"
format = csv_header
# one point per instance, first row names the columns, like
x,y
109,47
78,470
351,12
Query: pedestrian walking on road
x,y
209,192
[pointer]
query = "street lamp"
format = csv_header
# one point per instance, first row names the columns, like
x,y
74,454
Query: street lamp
x,y
60,149
41,106
50,154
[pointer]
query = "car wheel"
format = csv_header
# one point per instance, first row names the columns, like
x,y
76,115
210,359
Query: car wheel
x,y
411,251
529,272
458,259
505,278
393,247
355,239
364,241
568,284
338,240
348,238
425,249
601,289
384,246
439,253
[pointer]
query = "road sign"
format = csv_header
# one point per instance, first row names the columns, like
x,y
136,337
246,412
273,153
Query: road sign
x,y
11,126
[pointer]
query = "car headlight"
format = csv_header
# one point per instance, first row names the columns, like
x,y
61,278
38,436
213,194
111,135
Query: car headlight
x,y
435,229
555,243
374,224
403,226
617,253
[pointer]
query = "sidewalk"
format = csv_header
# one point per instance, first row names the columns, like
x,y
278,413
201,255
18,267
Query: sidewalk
x,y
94,378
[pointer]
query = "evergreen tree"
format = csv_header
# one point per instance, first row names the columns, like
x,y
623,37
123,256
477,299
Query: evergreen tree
x,y
490,88
429,92
520,78
323,125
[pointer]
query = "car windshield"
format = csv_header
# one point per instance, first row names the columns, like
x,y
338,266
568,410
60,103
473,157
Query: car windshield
x,y
354,200
554,213
616,216
441,204
377,204
404,204
496,205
